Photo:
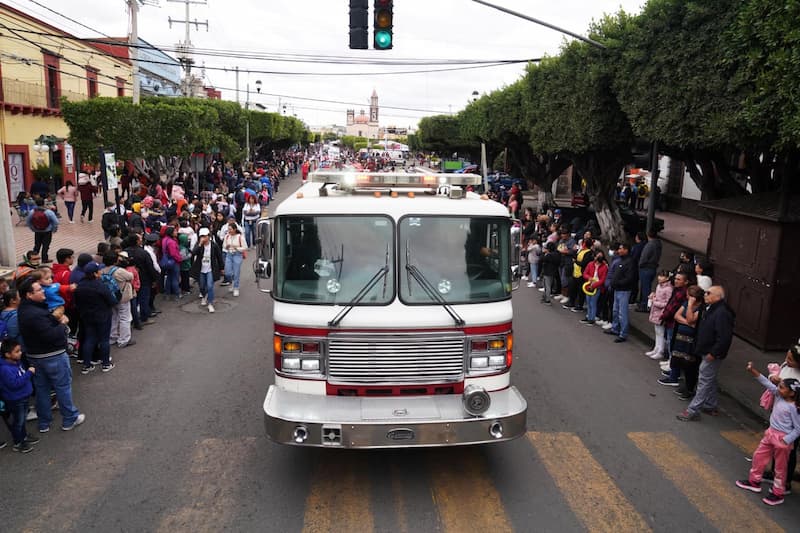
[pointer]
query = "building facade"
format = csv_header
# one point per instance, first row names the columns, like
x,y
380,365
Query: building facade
x,y
363,125
39,65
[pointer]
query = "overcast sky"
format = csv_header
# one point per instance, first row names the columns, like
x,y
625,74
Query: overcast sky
x,y
423,30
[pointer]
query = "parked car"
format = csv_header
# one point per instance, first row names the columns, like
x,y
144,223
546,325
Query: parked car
x,y
494,181
469,169
633,222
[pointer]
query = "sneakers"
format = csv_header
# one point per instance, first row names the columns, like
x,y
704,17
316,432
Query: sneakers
x,y
664,365
236,292
620,339
3,444
224,283
746,485
129,343
22,447
109,367
86,369
771,498
211,308
532,285
203,301
78,421
524,278
31,415
565,306
540,289
231,289
656,357
587,322
686,416
607,326
32,440
651,352
667,382
685,396
148,322
610,331
44,429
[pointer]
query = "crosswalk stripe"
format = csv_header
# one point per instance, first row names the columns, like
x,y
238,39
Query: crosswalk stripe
x,y
339,498
99,465
590,492
745,440
464,494
716,497
209,487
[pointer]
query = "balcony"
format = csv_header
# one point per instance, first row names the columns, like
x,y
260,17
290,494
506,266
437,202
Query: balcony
x,y
31,98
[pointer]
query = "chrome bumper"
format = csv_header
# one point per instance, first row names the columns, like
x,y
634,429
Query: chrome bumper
x,y
396,422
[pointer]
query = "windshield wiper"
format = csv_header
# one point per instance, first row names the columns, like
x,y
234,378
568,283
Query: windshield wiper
x,y
429,289
380,274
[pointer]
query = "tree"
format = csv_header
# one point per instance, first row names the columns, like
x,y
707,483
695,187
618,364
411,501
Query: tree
x,y
442,134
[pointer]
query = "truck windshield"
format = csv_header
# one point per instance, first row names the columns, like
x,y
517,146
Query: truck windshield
x,y
465,259
329,260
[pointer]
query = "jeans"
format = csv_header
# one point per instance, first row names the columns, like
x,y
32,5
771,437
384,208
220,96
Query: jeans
x,y
646,277
207,286
54,373
70,209
172,283
706,395
548,287
144,301
233,267
18,409
249,233
96,338
591,303
620,321
41,241
120,332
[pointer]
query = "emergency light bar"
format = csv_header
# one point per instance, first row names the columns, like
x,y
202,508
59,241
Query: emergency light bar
x,y
363,180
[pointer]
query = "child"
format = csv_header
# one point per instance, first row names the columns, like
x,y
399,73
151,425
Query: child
x,y
658,301
784,428
16,390
52,292
534,256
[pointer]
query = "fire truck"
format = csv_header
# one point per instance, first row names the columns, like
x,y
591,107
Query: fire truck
x,y
392,313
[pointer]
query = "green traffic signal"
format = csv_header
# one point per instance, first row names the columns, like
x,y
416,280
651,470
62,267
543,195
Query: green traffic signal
x,y
383,39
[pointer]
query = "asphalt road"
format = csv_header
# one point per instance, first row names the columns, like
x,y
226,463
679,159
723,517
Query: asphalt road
x,y
174,441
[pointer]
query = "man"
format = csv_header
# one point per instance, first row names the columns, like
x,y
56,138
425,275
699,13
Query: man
x,y
623,282
712,342
207,267
151,239
121,316
43,223
87,192
148,275
46,345
31,261
567,247
94,303
648,263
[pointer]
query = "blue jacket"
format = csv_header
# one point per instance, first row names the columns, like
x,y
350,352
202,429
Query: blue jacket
x,y
52,294
15,381
93,300
51,217
11,318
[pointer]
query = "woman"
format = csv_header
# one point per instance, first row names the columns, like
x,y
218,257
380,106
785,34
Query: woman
x,y
68,193
704,271
170,261
595,275
683,357
251,212
234,246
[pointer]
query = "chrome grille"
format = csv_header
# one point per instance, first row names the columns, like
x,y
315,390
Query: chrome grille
x,y
395,358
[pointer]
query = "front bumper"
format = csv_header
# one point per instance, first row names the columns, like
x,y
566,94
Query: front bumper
x,y
396,422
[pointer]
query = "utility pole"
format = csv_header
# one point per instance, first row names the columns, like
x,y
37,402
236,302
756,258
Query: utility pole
x,y
7,245
237,85
186,46
133,41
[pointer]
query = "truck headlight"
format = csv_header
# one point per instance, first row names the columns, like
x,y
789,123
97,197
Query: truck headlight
x,y
479,362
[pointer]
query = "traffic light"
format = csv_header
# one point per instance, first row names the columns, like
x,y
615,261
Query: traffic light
x,y
359,24
382,31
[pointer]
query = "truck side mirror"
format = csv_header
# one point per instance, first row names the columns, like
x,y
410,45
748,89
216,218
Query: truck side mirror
x,y
263,266
515,250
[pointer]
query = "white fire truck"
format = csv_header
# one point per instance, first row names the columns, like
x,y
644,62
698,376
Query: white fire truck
x,y
392,313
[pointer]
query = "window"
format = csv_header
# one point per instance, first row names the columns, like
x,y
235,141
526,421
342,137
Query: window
x,y
91,81
52,80
120,87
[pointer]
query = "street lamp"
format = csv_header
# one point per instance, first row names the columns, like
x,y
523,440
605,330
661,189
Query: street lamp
x,y
47,143
475,96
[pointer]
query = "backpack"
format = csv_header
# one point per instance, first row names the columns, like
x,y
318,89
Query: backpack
x,y
39,220
111,283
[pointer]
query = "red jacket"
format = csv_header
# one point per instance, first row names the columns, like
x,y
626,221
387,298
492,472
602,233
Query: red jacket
x,y
602,272
61,275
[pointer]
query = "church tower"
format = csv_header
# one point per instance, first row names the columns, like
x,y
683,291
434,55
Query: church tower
x,y
351,117
373,108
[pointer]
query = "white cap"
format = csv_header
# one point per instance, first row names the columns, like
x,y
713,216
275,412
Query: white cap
x,y
204,232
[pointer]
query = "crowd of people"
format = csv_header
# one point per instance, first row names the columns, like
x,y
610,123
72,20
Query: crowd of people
x,y
156,240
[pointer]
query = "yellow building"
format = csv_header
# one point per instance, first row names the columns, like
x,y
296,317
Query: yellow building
x,y
39,65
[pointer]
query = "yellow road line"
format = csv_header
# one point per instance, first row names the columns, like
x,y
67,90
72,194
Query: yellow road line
x,y
210,486
716,497
745,440
590,492
464,494
339,499
99,465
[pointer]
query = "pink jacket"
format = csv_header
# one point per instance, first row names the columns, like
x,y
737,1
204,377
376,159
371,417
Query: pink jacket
x,y
68,194
169,247
660,298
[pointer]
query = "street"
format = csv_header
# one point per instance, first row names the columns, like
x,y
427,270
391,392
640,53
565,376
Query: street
x,y
174,441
